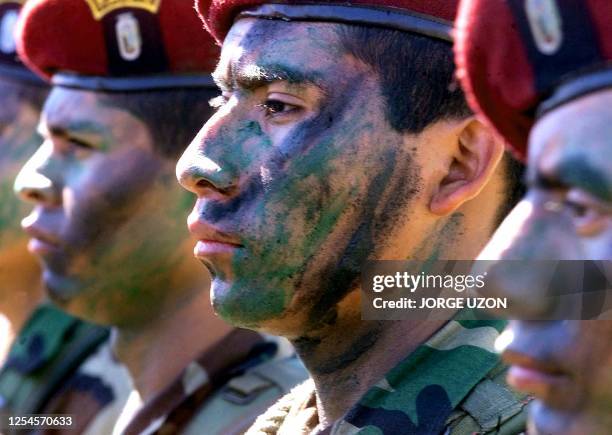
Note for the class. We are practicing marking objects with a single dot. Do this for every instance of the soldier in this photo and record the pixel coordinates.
(539, 71)
(21, 98)
(49, 344)
(131, 84)
(341, 137)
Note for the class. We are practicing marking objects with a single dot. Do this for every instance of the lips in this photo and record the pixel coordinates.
(43, 242)
(544, 380)
(211, 241)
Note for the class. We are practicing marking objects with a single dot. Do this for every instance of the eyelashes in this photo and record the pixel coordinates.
(272, 108)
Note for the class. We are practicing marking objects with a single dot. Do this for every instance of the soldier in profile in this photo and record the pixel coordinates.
(340, 137)
(42, 344)
(540, 73)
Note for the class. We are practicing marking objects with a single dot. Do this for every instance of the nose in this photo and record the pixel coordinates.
(525, 251)
(202, 174)
(534, 231)
(34, 183)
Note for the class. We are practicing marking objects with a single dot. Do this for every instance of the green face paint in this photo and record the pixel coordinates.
(566, 215)
(112, 217)
(314, 180)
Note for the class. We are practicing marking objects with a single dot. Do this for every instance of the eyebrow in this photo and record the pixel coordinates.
(251, 76)
(80, 130)
(574, 172)
(544, 181)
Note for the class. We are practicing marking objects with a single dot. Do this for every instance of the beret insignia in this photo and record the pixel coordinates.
(545, 23)
(99, 8)
(128, 36)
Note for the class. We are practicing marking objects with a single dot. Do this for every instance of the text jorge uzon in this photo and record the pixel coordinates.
(441, 303)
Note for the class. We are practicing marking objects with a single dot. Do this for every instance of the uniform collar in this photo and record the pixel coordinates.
(419, 394)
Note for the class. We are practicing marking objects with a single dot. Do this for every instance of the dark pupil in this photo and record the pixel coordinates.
(578, 209)
(275, 106)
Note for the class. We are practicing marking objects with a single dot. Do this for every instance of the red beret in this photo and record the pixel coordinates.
(10, 64)
(429, 17)
(116, 45)
(520, 59)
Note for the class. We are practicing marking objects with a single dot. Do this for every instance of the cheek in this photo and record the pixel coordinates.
(104, 194)
(596, 359)
(599, 246)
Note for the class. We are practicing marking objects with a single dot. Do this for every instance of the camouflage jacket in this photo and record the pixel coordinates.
(47, 369)
(224, 390)
(451, 384)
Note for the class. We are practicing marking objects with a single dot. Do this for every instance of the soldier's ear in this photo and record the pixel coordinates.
(476, 154)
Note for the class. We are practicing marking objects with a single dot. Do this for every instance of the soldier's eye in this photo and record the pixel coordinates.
(590, 215)
(577, 209)
(274, 107)
(81, 144)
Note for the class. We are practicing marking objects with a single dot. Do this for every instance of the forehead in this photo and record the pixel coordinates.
(307, 47)
(76, 110)
(574, 144)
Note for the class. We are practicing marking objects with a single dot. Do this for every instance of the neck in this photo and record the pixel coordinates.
(156, 353)
(347, 358)
(20, 292)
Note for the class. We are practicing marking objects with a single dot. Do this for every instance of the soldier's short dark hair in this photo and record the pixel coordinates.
(173, 116)
(34, 94)
(417, 75)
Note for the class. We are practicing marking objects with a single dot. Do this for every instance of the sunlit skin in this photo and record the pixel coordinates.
(20, 288)
(108, 226)
(567, 214)
(300, 178)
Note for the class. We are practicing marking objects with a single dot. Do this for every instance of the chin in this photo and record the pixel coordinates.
(246, 307)
(59, 288)
(548, 421)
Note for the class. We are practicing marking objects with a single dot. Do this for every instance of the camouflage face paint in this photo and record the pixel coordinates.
(112, 214)
(567, 214)
(315, 190)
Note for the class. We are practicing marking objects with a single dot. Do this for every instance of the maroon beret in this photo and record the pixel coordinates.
(520, 59)
(10, 64)
(433, 18)
(116, 45)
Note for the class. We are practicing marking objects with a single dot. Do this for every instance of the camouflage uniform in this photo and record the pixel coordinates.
(223, 392)
(451, 384)
(55, 366)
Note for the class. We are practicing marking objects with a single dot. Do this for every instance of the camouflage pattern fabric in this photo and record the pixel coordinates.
(42, 366)
(95, 395)
(421, 395)
(224, 390)
(47, 351)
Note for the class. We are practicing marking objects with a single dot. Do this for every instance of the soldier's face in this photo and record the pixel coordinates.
(107, 221)
(300, 178)
(18, 139)
(567, 214)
